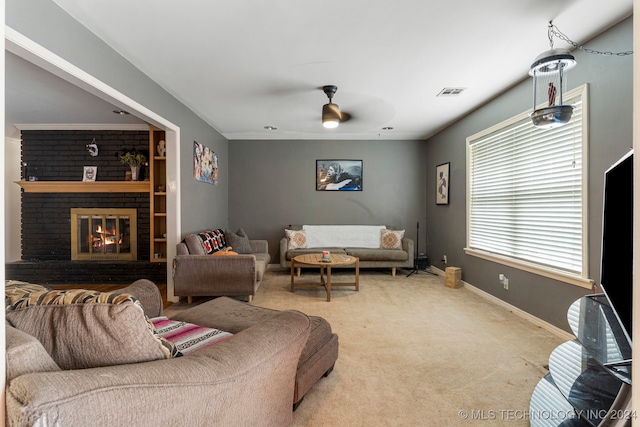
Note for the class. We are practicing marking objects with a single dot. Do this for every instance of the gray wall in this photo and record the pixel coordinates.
(610, 136)
(48, 25)
(272, 185)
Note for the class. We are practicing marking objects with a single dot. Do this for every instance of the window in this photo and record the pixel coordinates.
(527, 194)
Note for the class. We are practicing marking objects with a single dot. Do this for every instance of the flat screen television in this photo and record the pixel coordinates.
(616, 269)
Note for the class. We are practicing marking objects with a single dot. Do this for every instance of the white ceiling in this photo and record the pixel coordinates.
(244, 65)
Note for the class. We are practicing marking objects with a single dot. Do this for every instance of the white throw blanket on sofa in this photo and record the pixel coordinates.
(343, 236)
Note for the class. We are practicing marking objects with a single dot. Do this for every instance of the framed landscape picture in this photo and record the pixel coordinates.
(338, 175)
(442, 184)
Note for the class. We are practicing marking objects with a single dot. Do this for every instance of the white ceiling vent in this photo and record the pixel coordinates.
(451, 91)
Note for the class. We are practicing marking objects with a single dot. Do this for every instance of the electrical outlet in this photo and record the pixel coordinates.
(505, 283)
(444, 258)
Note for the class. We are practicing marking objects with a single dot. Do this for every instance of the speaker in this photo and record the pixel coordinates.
(422, 262)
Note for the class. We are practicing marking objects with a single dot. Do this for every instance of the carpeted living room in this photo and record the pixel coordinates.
(414, 352)
(259, 119)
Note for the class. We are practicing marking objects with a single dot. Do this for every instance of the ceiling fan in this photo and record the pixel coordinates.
(331, 114)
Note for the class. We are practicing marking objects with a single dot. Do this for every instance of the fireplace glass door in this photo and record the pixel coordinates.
(103, 234)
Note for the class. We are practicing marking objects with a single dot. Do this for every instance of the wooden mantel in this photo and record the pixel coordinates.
(84, 187)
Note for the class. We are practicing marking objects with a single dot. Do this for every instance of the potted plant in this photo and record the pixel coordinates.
(134, 158)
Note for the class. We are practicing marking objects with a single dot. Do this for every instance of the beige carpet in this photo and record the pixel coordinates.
(416, 353)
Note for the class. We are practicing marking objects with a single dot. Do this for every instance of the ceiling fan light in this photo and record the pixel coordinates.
(330, 115)
(330, 124)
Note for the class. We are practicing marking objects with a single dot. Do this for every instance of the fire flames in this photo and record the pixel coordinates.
(103, 239)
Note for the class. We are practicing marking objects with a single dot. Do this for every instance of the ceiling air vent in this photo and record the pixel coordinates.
(451, 91)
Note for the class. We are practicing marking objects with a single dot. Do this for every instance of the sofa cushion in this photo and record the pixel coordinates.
(238, 241)
(296, 239)
(365, 254)
(391, 239)
(262, 263)
(194, 244)
(25, 354)
(85, 329)
(187, 337)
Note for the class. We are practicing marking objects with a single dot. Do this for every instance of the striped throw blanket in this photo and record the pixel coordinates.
(187, 337)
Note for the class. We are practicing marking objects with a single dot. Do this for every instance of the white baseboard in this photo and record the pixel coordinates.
(515, 310)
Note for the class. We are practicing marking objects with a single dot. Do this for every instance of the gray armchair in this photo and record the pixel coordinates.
(197, 274)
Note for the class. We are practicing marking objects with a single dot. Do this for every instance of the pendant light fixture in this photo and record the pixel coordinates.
(330, 112)
(548, 86)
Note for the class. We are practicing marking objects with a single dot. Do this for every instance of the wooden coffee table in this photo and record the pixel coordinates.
(315, 260)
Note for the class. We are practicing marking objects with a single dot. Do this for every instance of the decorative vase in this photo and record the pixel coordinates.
(135, 173)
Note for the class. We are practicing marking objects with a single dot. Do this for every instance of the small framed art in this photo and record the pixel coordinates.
(442, 184)
(90, 173)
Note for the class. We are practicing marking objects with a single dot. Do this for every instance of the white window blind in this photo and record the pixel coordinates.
(526, 196)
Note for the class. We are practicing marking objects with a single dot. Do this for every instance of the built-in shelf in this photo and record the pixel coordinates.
(158, 195)
(84, 187)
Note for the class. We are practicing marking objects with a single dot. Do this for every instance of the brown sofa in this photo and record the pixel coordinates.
(196, 273)
(245, 380)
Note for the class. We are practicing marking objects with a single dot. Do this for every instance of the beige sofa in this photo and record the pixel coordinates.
(318, 356)
(370, 257)
(196, 273)
(245, 380)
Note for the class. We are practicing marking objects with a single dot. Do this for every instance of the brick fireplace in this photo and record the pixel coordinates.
(46, 217)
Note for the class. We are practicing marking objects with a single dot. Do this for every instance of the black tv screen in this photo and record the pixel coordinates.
(617, 240)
